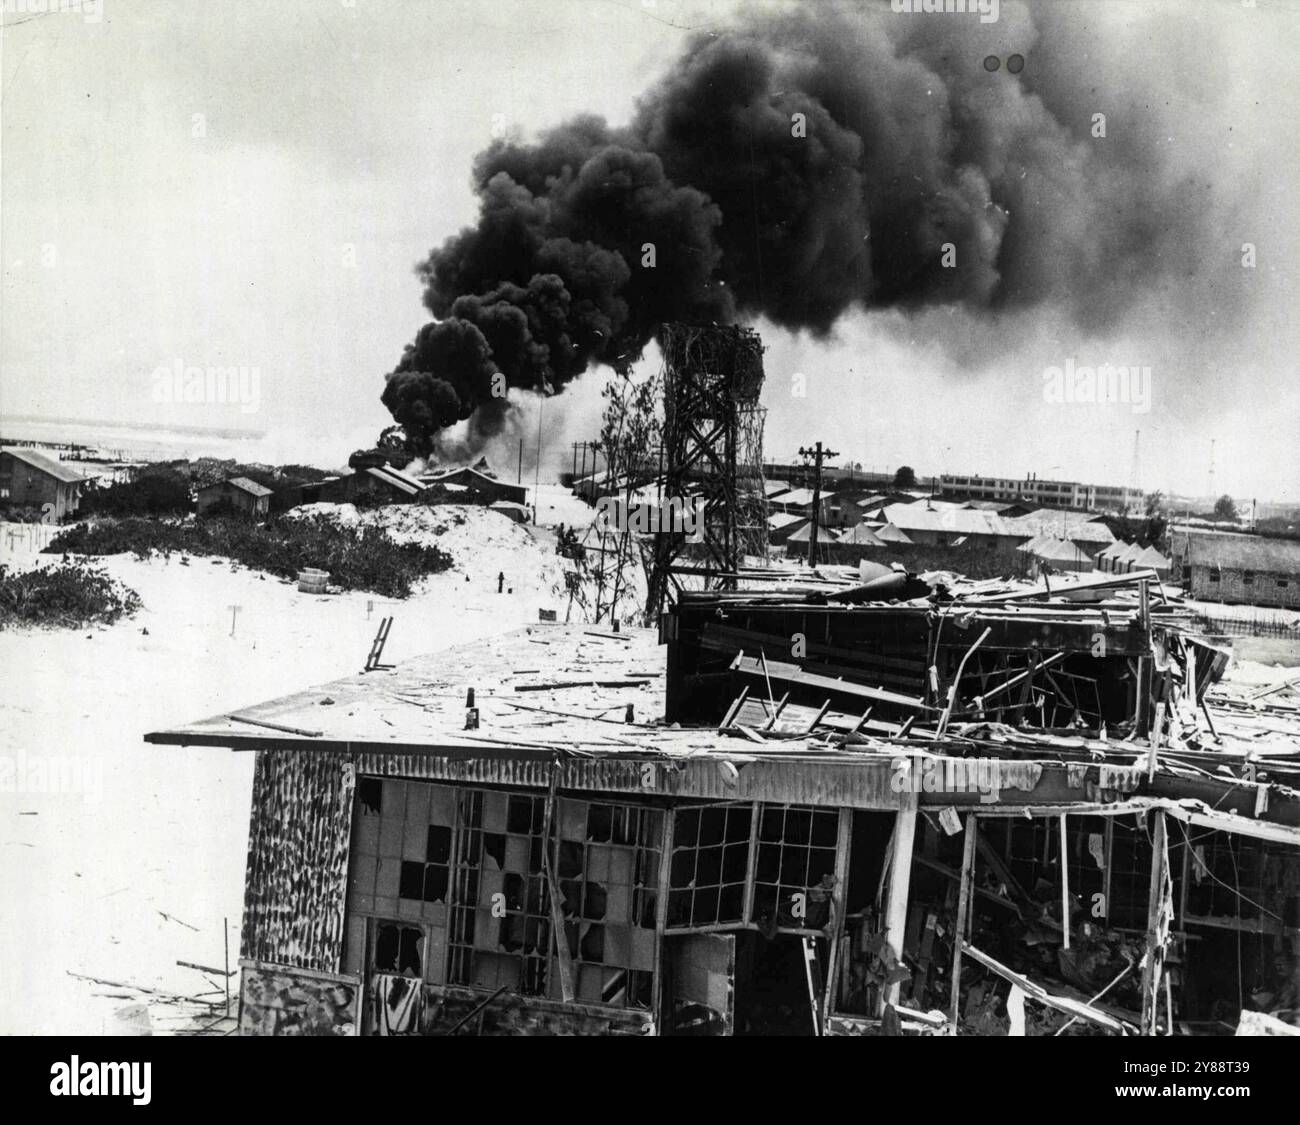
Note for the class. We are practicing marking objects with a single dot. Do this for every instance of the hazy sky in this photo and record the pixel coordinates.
(252, 184)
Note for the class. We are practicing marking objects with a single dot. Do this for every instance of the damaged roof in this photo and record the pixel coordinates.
(558, 697)
(396, 479)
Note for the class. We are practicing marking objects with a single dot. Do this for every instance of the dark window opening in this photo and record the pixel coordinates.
(370, 792)
(494, 846)
(439, 844)
(771, 986)
(397, 949)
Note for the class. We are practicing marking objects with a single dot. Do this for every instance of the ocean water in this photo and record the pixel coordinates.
(133, 442)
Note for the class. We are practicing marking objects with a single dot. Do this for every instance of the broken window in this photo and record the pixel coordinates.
(465, 871)
(606, 863)
(1130, 874)
(1033, 850)
(610, 911)
(783, 855)
(370, 792)
(401, 861)
(1231, 877)
(710, 865)
(795, 865)
(396, 949)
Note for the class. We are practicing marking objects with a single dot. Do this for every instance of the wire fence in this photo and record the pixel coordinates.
(27, 536)
(1260, 623)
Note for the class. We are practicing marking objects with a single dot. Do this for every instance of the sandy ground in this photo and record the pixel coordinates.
(118, 858)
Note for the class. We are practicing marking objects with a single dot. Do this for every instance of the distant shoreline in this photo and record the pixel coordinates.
(147, 427)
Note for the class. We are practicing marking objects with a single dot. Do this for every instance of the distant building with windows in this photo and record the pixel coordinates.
(1237, 569)
(1045, 493)
(29, 479)
(240, 493)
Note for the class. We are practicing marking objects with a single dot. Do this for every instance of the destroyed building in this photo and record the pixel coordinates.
(807, 813)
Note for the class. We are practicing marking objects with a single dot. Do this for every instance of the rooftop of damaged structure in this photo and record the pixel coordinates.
(816, 689)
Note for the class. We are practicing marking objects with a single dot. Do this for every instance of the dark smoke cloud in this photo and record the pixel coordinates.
(910, 143)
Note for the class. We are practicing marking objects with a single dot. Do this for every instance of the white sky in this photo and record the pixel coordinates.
(129, 243)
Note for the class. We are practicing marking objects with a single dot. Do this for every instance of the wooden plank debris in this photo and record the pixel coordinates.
(276, 726)
(1037, 992)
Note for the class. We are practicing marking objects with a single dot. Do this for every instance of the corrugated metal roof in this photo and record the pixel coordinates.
(1246, 552)
(446, 475)
(1060, 550)
(249, 486)
(1152, 558)
(1078, 527)
(404, 477)
(800, 497)
(861, 536)
(804, 534)
(398, 480)
(890, 533)
(46, 465)
(957, 521)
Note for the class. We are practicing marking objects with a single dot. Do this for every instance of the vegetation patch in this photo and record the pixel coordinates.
(67, 595)
(361, 558)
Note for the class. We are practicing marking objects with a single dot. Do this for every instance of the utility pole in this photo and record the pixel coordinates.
(537, 470)
(818, 455)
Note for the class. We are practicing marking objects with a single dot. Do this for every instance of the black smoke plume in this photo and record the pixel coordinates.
(795, 167)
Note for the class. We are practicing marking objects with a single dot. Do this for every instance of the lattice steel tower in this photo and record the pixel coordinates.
(712, 447)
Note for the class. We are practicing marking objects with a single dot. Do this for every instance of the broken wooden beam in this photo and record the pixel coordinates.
(1018, 678)
(956, 680)
(900, 874)
(1037, 992)
(793, 674)
(275, 726)
(961, 925)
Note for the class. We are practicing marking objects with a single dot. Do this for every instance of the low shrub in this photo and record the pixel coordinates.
(363, 558)
(69, 595)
